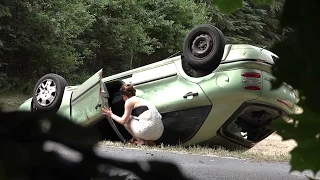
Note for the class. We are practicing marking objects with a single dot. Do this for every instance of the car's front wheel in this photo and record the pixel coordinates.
(48, 92)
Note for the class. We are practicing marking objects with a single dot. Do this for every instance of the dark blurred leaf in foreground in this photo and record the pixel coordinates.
(299, 66)
(42, 145)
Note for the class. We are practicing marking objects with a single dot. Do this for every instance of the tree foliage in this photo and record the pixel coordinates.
(254, 24)
(298, 51)
(77, 38)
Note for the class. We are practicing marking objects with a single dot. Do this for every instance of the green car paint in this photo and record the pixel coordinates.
(206, 106)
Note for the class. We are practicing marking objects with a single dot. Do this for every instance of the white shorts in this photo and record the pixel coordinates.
(147, 129)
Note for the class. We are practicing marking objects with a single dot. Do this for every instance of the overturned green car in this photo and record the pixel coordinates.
(212, 94)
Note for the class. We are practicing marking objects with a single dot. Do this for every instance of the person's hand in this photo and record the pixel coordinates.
(107, 111)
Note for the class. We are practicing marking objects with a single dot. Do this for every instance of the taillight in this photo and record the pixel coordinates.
(251, 74)
(252, 80)
(252, 87)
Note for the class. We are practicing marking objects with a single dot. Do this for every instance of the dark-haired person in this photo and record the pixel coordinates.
(141, 118)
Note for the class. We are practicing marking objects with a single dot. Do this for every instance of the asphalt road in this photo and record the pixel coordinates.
(210, 167)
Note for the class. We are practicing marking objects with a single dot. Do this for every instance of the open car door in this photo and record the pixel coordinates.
(87, 102)
(104, 101)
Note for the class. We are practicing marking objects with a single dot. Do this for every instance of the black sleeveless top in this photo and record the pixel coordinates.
(139, 110)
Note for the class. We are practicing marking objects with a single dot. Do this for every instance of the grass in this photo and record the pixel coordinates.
(11, 101)
(271, 150)
(251, 155)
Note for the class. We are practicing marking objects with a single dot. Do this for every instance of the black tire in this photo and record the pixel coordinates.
(192, 72)
(49, 101)
(63, 80)
(203, 47)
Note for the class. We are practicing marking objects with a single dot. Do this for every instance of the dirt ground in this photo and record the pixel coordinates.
(273, 145)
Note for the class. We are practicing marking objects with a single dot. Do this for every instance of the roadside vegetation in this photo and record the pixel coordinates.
(261, 155)
(12, 101)
(77, 38)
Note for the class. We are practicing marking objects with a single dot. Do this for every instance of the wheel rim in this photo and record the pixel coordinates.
(46, 92)
(202, 45)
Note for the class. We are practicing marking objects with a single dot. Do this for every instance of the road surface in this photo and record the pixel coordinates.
(210, 167)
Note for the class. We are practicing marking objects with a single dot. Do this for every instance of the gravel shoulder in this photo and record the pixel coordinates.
(274, 145)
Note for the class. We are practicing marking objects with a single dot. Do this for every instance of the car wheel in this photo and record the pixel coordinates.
(48, 92)
(191, 71)
(203, 47)
(63, 80)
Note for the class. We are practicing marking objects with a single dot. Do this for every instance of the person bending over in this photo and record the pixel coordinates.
(141, 118)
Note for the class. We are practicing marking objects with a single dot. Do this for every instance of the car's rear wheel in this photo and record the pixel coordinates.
(191, 71)
(203, 50)
(48, 92)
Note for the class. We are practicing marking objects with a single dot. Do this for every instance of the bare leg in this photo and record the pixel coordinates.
(128, 128)
(134, 138)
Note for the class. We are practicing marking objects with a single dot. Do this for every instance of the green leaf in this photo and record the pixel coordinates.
(298, 66)
(4, 11)
(306, 157)
(269, 2)
(228, 6)
(304, 129)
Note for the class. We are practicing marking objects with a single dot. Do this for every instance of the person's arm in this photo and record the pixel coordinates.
(129, 104)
